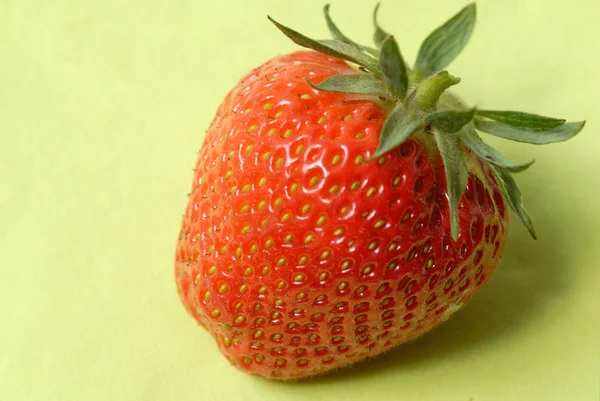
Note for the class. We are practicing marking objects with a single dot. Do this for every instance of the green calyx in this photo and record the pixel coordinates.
(415, 97)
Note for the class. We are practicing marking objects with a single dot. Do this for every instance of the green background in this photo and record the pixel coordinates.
(103, 105)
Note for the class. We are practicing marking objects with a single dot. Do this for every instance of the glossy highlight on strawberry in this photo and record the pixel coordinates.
(302, 249)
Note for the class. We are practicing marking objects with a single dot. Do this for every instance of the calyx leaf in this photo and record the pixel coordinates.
(333, 29)
(337, 34)
(456, 171)
(528, 135)
(380, 35)
(450, 121)
(520, 119)
(446, 42)
(487, 153)
(399, 126)
(353, 83)
(512, 194)
(333, 48)
(393, 67)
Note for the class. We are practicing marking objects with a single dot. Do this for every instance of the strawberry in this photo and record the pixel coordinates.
(337, 212)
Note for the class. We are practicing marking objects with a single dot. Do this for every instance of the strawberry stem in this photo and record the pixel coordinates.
(427, 94)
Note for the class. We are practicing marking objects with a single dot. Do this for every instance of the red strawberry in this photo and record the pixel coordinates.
(322, 228)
